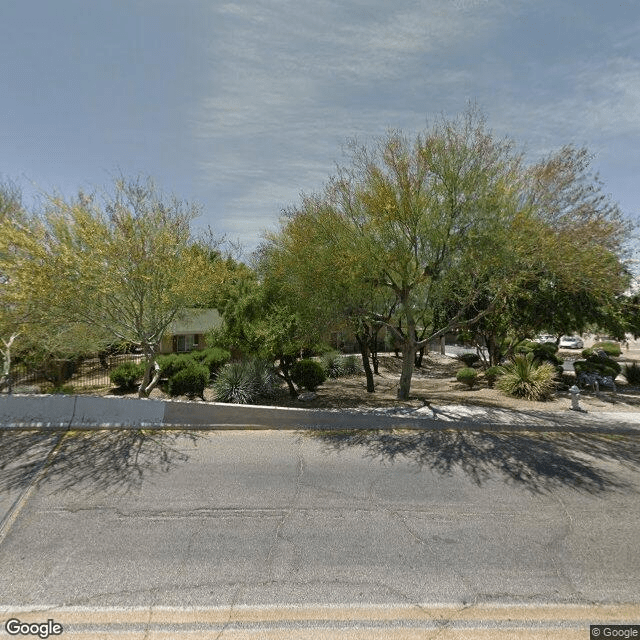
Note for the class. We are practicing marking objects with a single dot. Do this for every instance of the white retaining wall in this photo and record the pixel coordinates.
(67, 411)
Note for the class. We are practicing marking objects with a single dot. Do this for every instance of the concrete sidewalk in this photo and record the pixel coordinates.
(62, 413)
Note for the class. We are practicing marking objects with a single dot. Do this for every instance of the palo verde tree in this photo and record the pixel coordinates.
(310, 260)
(425, 224)
(125, 266)
(14, 304)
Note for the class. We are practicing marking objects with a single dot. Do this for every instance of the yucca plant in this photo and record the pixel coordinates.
(235, 384)
(523, 378)
(333, 364)
(351, 365)
(264, 376)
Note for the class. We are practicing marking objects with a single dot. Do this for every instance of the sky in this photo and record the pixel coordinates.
(241, 106)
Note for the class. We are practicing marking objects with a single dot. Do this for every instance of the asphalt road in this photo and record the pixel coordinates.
(265, 534)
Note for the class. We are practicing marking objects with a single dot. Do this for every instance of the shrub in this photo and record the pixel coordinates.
(189, 381)
(596, 364)
(469, 358)
(245, 382)
(213, 358)
(127, 375)
(491, 375)
(524, 378)
(352, 365)
(308, 374)
(234, 384)
(174, 362)
(612, 349)
(333, 364)
(468, 376)
(632, 373)
(264, 377)
(606, 362)
(542, 352)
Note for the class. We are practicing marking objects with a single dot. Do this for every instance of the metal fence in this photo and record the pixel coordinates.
(81, 375)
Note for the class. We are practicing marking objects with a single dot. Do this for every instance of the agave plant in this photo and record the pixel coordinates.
(523, 378)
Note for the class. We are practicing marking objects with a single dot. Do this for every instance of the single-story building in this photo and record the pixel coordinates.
(187, 332)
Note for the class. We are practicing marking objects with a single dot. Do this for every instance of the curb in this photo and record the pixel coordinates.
(89, 413)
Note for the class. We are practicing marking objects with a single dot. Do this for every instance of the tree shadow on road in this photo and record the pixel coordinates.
(109, 460)
(540, 462)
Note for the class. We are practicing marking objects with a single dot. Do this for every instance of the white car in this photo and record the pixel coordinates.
(571, 342)
(545, 337)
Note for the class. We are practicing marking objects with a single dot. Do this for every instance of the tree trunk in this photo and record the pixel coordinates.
(285, 368)
(5, 379)
(149, 381)
(408, 361)
(373, 349)
(364, 352)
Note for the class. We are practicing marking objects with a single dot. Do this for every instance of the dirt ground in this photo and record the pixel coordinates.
(433, 383)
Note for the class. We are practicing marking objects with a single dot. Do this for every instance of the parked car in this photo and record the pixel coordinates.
(571, 342)
(545, 337)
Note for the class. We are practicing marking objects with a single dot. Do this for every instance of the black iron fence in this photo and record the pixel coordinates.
(76, 374)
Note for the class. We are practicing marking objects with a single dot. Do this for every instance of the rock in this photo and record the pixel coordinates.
(306, 397)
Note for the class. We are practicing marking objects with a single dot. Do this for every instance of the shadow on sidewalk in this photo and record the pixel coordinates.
(114, 460)
(540, 462)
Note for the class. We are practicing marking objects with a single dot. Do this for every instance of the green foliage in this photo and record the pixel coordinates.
(244, 382)
(524, 378)
(468, 376)
(308, 374)
(336, 365)
(264, 377)
(491, 375)
(469, 358)
(597, 364)
(65, 389)
(127, 375)
(541, 352)
(213, 358)
(174, 362)
(612, 349)
(632, 373)
(189, 381)
(333, 364)
(352, 365)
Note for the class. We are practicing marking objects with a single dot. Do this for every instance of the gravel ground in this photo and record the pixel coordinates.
(435, 384)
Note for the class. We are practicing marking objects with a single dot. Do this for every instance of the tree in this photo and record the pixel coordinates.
(453, 230)
(15, 305)
(424, 224)
(126, 267)
(571, 266)
(259, 320)
(308, 260)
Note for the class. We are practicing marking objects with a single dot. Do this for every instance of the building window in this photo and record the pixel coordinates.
(184, 343)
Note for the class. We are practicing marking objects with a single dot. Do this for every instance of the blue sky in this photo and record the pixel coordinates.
(242, 105)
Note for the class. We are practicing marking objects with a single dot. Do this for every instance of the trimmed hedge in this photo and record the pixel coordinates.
(190, 381)
(469, 358)
(127, 375)
(468, 376)
(597, 364)
(612, 349)
(308, 374)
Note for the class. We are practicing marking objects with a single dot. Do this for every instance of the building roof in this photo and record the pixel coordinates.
(195, 321)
